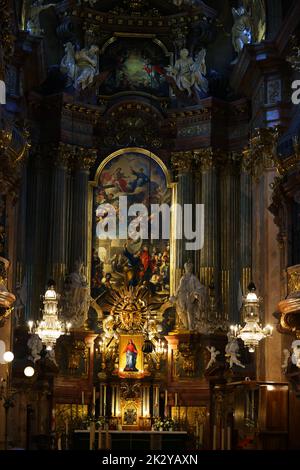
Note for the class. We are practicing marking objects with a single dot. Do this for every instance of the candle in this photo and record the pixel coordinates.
(104, 401)
(100, 400)
(82, 398)
(223, 439)
(156, 395)
(113, 398)
(228, 438)
(176, 397)
(67, 427)
(215, 438)
(94, 396)
(99, 439)
(166, 402)
(201, 435)
(92, 435)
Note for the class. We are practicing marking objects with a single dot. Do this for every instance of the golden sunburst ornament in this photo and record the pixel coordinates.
(130, 307)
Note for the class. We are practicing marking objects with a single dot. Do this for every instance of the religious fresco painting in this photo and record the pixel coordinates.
(134, 65)
(124, 261)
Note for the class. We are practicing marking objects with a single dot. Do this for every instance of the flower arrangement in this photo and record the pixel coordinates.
(100, 423)
(163, 424)
(168, 424)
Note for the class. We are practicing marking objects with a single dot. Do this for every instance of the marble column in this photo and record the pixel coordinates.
(182, 163)
(58, 217)
(84, 159)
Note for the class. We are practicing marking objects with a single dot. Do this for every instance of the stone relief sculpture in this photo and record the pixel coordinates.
(188, 73)
(35, 345)
(191, 300)
(76, 297)
(80, 66)
(33, 22)
(231, 351)
(296, 353)
(213, 356)
(241, 29)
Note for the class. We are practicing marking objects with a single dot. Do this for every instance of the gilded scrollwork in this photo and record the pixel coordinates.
(7, 299)
(261, 153)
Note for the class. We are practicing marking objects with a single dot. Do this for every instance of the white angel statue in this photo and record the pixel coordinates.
(86, 66)
(241, 29)
(33, 22)
(296, 352)
(189, 74)
(213, 356)
(35, 345)
(67, 65)
(80, 66)
(190, 298)
(231, 352)
(199, 69)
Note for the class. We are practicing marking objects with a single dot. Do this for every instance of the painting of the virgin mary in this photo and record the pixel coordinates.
(131, 356)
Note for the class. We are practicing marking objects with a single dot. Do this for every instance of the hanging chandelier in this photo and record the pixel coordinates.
(252, 332)
(50, 328)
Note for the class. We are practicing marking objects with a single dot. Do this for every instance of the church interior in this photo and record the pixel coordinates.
(149, 225)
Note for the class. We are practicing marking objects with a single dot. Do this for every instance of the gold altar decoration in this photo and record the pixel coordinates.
(129, 307)
(289, 308)
(131, 412)
(70, 417)
(14, 147)
(261, 153)
(187, 416)
(7, 299)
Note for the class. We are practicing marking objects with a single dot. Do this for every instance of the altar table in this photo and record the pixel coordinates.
(132, 440)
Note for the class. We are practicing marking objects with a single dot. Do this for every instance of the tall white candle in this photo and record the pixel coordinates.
(166, 402)
(201, 434)
(223, 439)
(104, 401)
(228, 438)
(215, 437)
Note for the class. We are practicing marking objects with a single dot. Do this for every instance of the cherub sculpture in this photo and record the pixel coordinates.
(80, 66)
(33, 22)
(213, 356)
(241, 29)
(35, 345)
(231, 352)
(188, 73)
(296, 352)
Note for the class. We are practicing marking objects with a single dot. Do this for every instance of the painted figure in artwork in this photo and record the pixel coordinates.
(131, 357)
